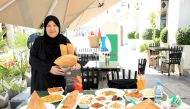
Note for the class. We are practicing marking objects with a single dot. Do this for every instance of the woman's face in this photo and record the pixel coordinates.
(52, 29)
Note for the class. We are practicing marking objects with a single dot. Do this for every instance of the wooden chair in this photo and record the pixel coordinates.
(90, 78)
(175, 54)
(141, 65)
(124, 82)
(153, 55)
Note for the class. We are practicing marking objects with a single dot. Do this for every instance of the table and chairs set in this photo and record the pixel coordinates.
(172, 56)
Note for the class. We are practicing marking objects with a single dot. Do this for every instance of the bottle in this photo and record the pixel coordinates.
(158, 91)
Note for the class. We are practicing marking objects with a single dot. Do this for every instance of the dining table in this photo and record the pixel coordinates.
(85, 92)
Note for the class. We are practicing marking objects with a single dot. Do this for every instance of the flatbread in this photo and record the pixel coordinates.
(146, 104)
(35, 102)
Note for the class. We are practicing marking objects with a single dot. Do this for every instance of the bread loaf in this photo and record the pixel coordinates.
(71, 100)
(66, 61)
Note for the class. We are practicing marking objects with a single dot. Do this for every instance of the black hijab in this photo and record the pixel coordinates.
(52, 44)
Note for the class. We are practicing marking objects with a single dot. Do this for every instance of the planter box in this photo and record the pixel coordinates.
(185, 60)
(4, 98)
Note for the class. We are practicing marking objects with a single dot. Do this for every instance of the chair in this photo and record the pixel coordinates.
(90, 78)
(83, 59)
(154, 55)
(124, 82)
(141, 65)
(175, 54)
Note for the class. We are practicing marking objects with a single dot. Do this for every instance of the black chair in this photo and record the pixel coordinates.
(90, 78)
(141, 66)
(83, 59)
(175, 54)
(124, 82)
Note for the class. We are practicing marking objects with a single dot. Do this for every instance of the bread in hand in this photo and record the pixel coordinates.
(66, 61)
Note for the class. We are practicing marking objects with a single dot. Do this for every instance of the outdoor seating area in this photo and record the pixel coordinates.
(94, 54)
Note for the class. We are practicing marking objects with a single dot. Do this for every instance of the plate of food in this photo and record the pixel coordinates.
(97, 105)
(116, 105)
(70, 101)
(85, 100)
(109, 92)
(134, 95)
(147, 93)
(53, 98)
(55, 90)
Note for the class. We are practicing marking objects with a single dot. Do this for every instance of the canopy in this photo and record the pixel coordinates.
(91, 12)
(31, 13)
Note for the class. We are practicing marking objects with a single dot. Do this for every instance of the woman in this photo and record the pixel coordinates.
(45, 50)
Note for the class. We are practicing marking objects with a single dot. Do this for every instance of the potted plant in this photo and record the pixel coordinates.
(183, 39)
(4, 97)
(132, 40)
(164, 36)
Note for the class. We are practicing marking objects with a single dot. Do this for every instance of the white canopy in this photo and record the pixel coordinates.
(31, 13)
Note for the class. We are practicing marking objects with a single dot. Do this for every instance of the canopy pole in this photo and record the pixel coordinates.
(6, 5)
(52, 7)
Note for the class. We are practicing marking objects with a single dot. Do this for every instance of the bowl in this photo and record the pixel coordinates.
(135, 96)
(96, 105)
(56, 90)
(116, 105)
(85, 100)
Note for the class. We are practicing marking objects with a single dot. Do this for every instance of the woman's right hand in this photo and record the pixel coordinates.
(55, 70)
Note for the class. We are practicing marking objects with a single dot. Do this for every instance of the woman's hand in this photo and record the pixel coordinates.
(76, 66)
(55, 70)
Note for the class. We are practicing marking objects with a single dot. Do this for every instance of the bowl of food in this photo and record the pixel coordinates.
(56, 90)
(116, 105)
(85, 101)
(100, 98)
(134, 95)
(96, 105)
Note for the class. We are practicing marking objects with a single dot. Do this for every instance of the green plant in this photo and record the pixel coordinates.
(21, 57)
(164, 35)
(131, 35)
(156, 42)
(3, 42)
(3, 74)
(153, 24)
(147, 34)
(20, 41)
(183, 35)
(136, 35)
(144, 47)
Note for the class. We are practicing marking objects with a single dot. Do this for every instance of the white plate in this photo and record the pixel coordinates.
(75, 106)
(48, 105)
(118, 92)
(56, 100)
(131, 104)
(147, 93)
(87, 104)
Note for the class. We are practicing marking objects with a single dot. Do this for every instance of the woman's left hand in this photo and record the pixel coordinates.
(76, 66)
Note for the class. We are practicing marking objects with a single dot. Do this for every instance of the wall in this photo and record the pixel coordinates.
(173, 18)
(184, 17)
